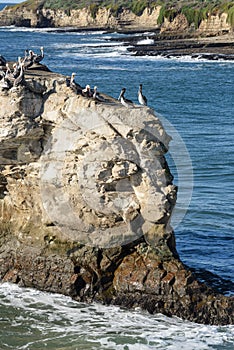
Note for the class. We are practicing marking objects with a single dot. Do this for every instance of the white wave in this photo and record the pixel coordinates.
(183, 59)
(24, 29)
(57, 317)
(102, 67)
(65, 30)
(146, 41)
(78, 45)
(97, 52)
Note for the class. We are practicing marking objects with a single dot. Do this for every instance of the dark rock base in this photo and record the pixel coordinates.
(130, 276)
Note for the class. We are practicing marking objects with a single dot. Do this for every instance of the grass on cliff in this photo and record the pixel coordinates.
(31, 5)
(194, 11)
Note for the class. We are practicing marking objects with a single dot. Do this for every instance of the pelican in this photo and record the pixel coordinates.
(16, 68)
(39, 58)
(125, 102)
(3, 61)
(96, 95)
(2, 74)
(5, 83)
(19, 80)
(73, 85)
(141, 98)
(8, 70)
(8, 75)
(87, 92)
(28, 60)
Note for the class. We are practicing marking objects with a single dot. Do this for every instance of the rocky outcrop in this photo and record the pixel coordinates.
(82, 18)
(106, 18)
(86, 197)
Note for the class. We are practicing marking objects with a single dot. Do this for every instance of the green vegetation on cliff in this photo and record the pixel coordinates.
(194, 11)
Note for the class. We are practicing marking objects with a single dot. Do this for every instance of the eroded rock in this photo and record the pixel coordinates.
(85, 200)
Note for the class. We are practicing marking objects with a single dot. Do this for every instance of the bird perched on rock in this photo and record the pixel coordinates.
(20, 78)
(3, 61)
(87, 91)
(125, 102)
(96, 96)
(8, 74)
(5, 83)
(38, 58)
(28, 59)
(73, 85)
(141, 98)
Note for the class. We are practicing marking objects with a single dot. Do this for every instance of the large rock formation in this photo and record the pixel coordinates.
(107, 18)
(86, 199)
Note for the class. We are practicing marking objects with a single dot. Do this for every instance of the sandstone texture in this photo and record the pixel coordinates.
(86, 197)
(105, 18)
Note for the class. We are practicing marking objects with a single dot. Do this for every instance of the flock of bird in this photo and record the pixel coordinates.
(88, 92)
(14, 77)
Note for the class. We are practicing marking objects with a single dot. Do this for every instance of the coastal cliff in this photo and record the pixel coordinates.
(86, 197)
(215, 19)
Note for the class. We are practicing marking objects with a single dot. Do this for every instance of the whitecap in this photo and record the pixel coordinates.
(146, 41)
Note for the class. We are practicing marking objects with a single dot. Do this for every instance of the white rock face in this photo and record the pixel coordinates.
(94, 170)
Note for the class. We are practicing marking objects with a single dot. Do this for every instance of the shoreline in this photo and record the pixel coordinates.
(169, 46)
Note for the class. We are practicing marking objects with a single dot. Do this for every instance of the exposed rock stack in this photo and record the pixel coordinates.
(86, 198)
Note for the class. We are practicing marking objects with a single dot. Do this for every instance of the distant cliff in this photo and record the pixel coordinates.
(86, 197)
(216, 18)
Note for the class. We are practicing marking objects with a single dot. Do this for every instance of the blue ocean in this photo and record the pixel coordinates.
(195, 101)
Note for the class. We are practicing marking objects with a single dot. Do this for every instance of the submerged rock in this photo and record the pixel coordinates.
(86, 197)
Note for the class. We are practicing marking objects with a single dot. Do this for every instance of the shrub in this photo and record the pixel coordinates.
(138, 7)
(193, 15)
(230, 17)
(161, 16)
(93, 8)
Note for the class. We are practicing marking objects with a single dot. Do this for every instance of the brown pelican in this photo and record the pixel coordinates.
(74, 86)
(8, 75)
(39, 58)
(5, 83)
(87, 92)
(19, 80)
(28, 60)
(96, 95)
(3, 61)
(16, 68)
(125, 102)
(8, 70)
(141, 98)
(2, 74)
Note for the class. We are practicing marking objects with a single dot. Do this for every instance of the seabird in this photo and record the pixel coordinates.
(141, 98)
(38, 58)
(87, 92)
(3, 61)
(96, 95)
(16, 68)
(28, 60)
(74, 86)
(125, 102)
(20, 78)
(8, 75)
(2, 74)
(5, 83)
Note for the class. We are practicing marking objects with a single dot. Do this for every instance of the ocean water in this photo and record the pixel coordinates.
(195, 100)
